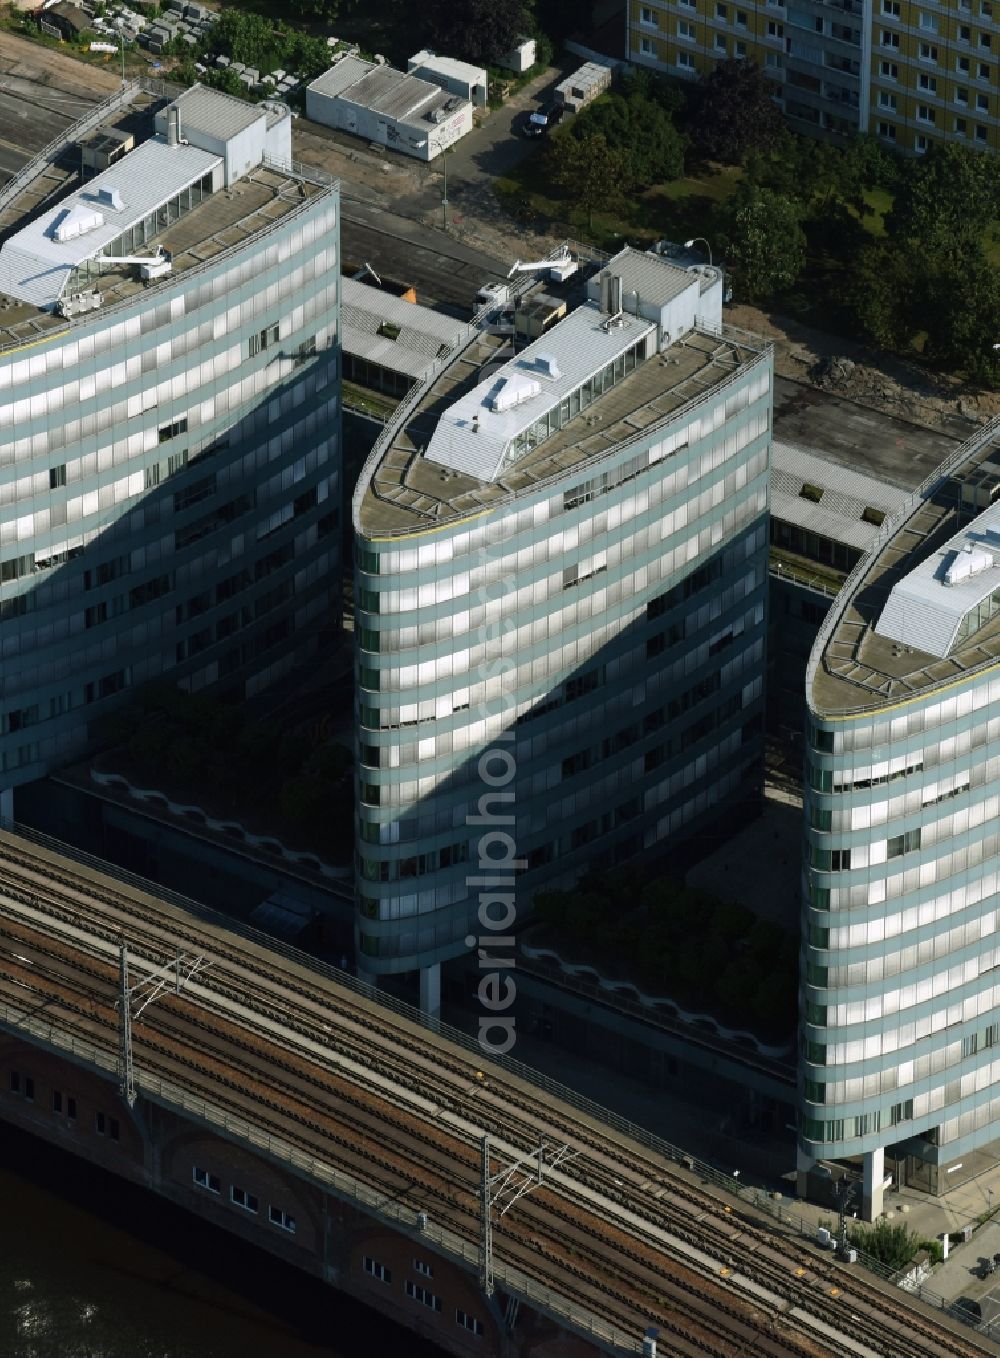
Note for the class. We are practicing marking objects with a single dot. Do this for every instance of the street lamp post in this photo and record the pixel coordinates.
(444, 200)
(694, 241)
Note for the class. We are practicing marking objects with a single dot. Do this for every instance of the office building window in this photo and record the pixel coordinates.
(685, 61)
(887, 130)
(928, 52)
(889, 39)
(982, 133)
(928, 83)
(982, 71)
(961, 96)
(417, 1293)
(241, 1198)
(204, 1179)
(720, 43)
(887, 101)
(423, 1268)
(646, 16)
(263, 340)
(469, 1323)
(888, 70)
(740, 49)
(377, 1270)
(685, 29)
(278, 1217)
(928, 22)
(170, 431)
(961, 129)
(982, 103)
(925, 114)
(646, 47)
(57, 476)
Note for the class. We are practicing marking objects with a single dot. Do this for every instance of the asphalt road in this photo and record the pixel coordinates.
(445, 273)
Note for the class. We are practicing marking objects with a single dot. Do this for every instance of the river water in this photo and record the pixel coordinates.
(91, 1267)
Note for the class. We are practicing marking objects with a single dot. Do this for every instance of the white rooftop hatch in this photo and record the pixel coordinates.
(967, 562)
(492, 425)
(927, 608)
(512, 390)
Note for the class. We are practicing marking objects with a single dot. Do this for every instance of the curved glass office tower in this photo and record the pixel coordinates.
(901, 977)
(561, 574)
(169, 425)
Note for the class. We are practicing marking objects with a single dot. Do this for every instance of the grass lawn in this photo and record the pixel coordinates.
(676, 210)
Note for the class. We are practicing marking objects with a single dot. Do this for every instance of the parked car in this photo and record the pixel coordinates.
(543, 119)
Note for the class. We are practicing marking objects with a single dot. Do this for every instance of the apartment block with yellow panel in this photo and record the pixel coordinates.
(909, 72)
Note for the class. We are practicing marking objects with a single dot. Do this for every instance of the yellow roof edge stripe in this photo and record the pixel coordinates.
(33, 344)
(438, 528)
(917, 698)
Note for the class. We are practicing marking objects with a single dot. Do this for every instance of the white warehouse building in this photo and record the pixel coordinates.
(457, 77)
(387, 106)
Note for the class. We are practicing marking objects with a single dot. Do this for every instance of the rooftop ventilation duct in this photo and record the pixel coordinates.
(612, 293)
(548, 364)
(111, 197)
(77, 222)
(512, 391)
(968, 562)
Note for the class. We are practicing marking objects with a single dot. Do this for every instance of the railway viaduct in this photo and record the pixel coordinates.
(281, 1100)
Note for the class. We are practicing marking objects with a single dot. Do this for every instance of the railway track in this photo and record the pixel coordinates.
(298, 1103)
(263, 996)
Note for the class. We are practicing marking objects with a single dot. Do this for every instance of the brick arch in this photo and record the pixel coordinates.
(182, 1148)
(456, 1287)
(93, 1091)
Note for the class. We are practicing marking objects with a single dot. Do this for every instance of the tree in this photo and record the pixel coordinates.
(734, 114)
(880, 293)
(764, 242)
(945, 200)
(961, 297)
(589, 172)
(476, 30)
(820, 174)
(641, 130)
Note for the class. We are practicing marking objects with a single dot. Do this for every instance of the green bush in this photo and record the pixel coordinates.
(892, 1245)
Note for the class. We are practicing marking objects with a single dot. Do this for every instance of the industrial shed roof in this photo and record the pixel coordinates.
(383, 89)
(422, 333)
(207, 110)
(844, 497)
(654, 278)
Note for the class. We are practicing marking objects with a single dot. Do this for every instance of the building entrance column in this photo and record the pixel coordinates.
(873, 1184)
(430, 990)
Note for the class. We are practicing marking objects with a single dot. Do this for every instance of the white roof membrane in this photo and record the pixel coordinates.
(926, 608)
(475, 433)
(36, 262)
